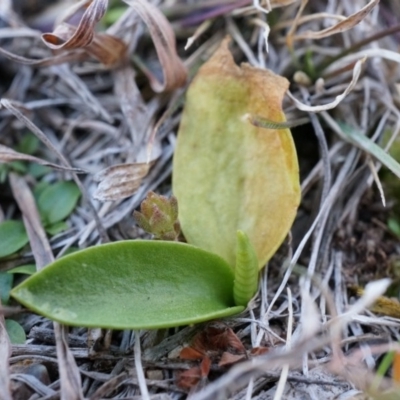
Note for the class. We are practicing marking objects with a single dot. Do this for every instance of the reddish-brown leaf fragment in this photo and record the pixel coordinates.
(258, 351)
(229, 359)
(396, 367)
(189, 353)
(217, 338)
(205, 367)
(188, 379)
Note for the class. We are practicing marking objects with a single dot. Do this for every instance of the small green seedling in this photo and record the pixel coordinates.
(159, 216)
(237, 186)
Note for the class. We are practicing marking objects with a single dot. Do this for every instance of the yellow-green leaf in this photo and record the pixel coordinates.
(230, 175)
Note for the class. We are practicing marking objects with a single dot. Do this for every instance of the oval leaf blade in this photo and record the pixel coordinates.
(230, 175)
(132, 285)
(13, 237)
(57, 201)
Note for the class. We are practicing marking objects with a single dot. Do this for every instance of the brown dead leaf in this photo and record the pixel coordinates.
(189, 353)
(107, 49)
(8, 155)
(84, 33)
(205, 367)
(341, 26)
(229, 359)
(258, 351)
(217, 338)
(188, 379)
(120, 181)
(396, 367)
(163, 36)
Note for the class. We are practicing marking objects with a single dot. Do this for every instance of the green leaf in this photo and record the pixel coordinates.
(39, 189)
(37, 170)
(228, 174)
(28, 269)
(13, 237)
(29, 144)
(6, 281)
(113, 14)
(57, 201)
(18, 166)
(132, 285)
(15, 332)
(394, 226)
(56, 228)
(366, 144)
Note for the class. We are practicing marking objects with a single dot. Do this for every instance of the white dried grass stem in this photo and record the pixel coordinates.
(285, 370)
(139, 368)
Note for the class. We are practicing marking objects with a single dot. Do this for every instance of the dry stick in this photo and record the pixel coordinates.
(285, 369)
(69, 373)
(139, 368)
(13, 107)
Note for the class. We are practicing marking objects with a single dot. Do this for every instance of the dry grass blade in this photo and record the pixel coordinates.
(281, 3)
(69, 374)
(164, 41)
(44, 62)
(304, 107)
(132, 105)
(342, 26)
(8, 155)
(5, 352)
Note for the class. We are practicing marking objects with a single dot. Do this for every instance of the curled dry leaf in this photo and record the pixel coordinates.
(8, 155)
(228, 174)
(83, 34)
(109, 50)
(163, 36)
(341, 26)
(120, 181)
(106, 48)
